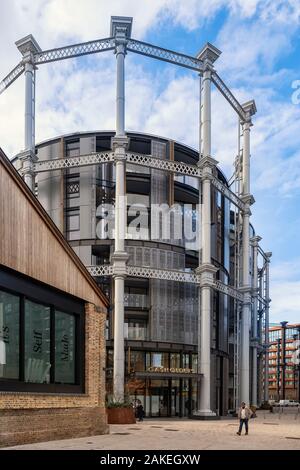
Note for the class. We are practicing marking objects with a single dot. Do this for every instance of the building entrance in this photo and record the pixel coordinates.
(164, 398)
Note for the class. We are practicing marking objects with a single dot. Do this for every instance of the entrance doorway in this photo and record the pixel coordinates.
(165, 398)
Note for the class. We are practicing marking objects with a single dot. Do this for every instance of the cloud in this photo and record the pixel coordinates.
(78, 95)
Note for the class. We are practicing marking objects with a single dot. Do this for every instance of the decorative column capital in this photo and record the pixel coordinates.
(255, 240)
(120, 29)
(27, 155)
(208, 54)
(207, 164)
(268, 255)
(119, 142)
(248, 200)
(28, 47)
(250, 109)
(246, 290)
(119, 260)
(206, 272)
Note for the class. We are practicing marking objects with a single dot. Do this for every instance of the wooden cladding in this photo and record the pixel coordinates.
(31, 243)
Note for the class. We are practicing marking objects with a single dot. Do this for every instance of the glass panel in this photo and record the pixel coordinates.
(186, 402)
(186, 361)
(9, 335)
(175, 360)
(137, 361)
(65, 325)
(175, 398)
(137, 329)
(37, 343)
(195, 363)
(159, 393)
(160, 360)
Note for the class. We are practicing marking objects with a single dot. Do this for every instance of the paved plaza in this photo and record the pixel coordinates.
(267, 431)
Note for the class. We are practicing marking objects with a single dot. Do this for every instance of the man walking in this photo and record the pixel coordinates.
(244, 414)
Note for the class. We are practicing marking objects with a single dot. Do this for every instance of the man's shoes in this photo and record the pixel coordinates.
(246, 434)
(238, 433)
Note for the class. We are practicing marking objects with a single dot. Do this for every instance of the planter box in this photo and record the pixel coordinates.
(120, 416)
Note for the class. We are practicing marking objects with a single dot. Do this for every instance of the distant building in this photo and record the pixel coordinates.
(284, 370)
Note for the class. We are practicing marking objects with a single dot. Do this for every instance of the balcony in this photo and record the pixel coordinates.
(136, 300)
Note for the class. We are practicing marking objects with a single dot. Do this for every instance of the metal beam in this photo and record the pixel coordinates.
(228, 193)
(71, 162)
(228, 95)
(166, 275)
(137, 159)
(11, 77)
(167, 165)
(75, 50)
(165, 55)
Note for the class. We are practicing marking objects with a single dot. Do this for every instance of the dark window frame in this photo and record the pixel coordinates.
(27, 288)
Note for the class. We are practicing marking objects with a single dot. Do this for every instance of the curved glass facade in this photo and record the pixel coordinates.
(156, 311)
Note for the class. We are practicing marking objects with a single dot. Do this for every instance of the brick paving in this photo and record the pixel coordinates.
(267, 431)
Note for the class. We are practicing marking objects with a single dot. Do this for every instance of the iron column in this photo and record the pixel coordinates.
(267, 314)
(278, 369)
(121, 30)
(207, 271)
(249, 109)
(255, 241)
(283, 349)
(28, 47)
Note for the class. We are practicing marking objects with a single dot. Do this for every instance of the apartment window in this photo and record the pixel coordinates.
(136, 329)
(72, 224)
(72, 188)
(73, 148)
(41, 337)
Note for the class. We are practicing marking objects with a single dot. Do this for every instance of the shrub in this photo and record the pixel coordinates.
(118, 404)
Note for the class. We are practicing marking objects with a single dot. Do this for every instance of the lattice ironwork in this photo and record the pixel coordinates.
(228, 290)
(100, 270)
(228, 95)
(11, 77)
(161, 164)
(75, 50)
(228, 193)
(167, 275)
(72, 188)
(165, 55)
(83, 160)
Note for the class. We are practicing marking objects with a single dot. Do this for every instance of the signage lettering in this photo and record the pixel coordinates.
(173, 370)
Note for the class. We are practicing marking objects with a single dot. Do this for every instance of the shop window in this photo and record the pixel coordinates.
(175, 360)
(41, 338)
(64, 348)
(137, 361)
(9, 335)
(160, 360)
(37, 343)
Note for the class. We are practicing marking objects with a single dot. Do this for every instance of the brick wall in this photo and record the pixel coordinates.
(33, 417)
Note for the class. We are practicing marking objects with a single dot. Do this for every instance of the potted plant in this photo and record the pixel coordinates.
(120, 412)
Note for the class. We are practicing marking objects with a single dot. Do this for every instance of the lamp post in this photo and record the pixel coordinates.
(283, 346)
(278, 369)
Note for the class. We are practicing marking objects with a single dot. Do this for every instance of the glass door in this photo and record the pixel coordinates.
(159, 398)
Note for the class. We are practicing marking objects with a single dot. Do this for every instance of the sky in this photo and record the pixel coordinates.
(259, 60)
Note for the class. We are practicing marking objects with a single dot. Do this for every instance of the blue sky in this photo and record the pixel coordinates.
(260, 60)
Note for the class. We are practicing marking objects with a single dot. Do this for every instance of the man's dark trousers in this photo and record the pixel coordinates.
(243, 421)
